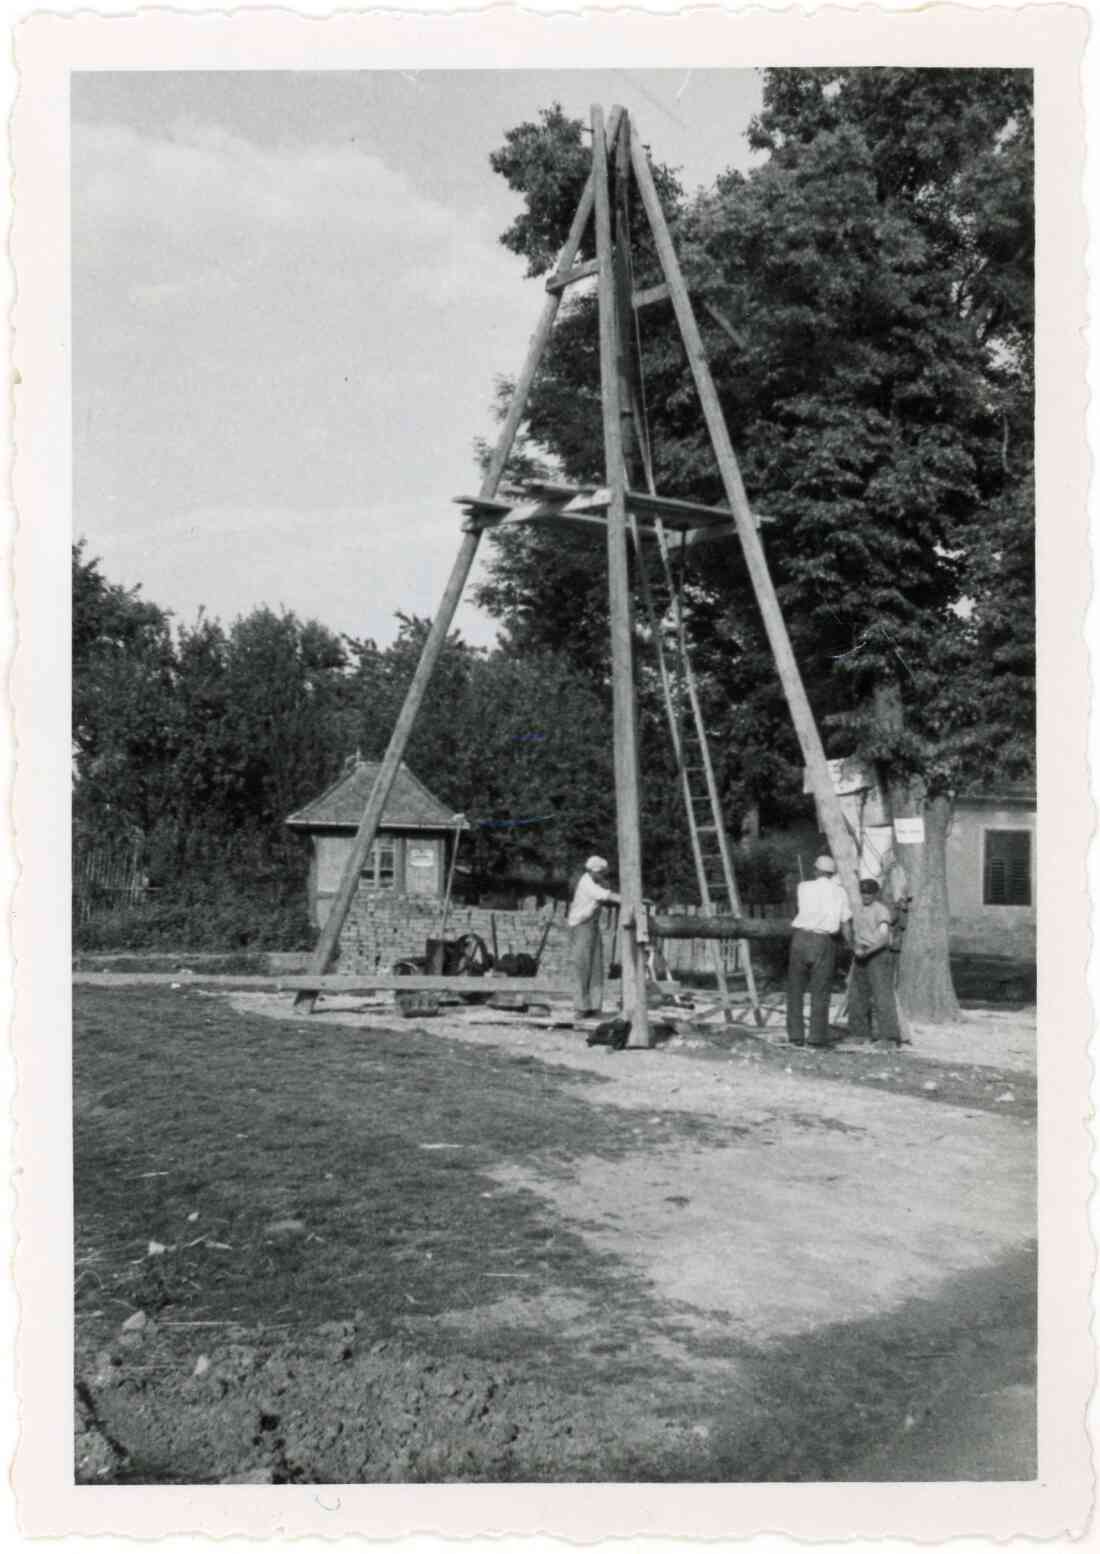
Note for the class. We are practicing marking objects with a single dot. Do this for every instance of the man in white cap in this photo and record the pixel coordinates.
(585, 944)
(823, 913)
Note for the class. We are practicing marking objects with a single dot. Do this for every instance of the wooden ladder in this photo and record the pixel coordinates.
(702, 802)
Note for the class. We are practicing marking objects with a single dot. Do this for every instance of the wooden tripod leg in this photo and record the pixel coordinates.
(802, 716)
(368, 827)
(395, 751)
(635, 1000)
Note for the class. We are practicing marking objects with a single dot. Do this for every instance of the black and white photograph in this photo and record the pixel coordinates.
(553, 778)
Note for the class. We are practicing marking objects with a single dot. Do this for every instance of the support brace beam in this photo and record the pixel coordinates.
(627, 805)
(802, 716)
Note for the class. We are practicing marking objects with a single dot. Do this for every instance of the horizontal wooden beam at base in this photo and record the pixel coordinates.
(579, 272)
(390, 983)
(691, 927)
(332, 982)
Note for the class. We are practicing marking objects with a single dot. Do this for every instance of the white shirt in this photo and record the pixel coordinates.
(586, 900)
(822, 905)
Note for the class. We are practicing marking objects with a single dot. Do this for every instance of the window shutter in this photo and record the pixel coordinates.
(1007, 879)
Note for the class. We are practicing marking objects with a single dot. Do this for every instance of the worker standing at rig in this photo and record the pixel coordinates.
(823, 914)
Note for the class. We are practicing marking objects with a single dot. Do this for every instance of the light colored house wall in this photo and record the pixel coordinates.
(331, 854)
(976, 928)
(419, 865)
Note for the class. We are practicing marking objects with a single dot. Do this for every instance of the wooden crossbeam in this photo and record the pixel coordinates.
(582, 516)
(568, 493)
(578, 506)
(579, 272)
(651, 294)
(560, 518)
(483, 505)
(675, 513)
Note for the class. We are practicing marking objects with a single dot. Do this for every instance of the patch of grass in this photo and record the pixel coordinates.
(284, 1167)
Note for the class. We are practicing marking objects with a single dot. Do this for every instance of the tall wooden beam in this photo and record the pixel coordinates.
(635, 1007)
(801, 714)
(325, 950)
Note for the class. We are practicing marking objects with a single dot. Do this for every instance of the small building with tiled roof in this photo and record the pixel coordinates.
(411, 852)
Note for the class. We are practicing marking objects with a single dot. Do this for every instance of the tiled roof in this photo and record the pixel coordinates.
(1011, 794)
(409, 805)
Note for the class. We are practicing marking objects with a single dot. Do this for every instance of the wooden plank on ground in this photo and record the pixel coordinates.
(333, 982)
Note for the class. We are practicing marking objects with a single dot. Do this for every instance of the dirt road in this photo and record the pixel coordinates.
(717, 1260)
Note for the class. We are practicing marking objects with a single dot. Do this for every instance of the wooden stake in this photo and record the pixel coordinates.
(801, 714)
(325, 951)
(635, 1007)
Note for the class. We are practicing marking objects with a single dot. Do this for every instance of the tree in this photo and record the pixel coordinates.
(123, 667)
(517, 743)
(870, 337)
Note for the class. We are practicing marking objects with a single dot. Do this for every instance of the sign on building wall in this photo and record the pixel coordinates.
(422, 868)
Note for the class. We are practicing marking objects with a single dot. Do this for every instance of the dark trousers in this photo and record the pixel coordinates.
(811, 964)
(586, 963)
(871, 993)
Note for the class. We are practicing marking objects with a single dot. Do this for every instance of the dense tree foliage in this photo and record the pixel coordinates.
(192, 746)
(866, 296)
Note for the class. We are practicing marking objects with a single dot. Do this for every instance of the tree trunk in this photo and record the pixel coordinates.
(925, 989)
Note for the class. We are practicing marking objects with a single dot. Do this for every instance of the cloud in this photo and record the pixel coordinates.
(201, 206)
(352, 567)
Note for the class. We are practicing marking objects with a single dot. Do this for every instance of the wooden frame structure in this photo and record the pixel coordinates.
(619, 508)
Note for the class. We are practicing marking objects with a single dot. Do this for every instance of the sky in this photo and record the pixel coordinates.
(290, 309)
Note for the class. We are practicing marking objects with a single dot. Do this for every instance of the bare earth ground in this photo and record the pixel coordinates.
(370, 1249)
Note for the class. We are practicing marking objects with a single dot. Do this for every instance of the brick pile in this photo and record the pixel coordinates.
(382, 929)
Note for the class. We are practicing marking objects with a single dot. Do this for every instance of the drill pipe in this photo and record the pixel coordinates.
(683, 927)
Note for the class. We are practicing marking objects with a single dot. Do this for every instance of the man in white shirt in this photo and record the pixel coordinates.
(585, 944)
(823, 913)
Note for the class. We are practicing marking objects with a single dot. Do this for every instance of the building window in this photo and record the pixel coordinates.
(380, 868)
(1007, 876)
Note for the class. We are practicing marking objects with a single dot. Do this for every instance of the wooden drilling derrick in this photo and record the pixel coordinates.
(626, 507)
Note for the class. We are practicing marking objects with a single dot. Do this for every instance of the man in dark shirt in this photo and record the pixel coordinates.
(871, 987)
